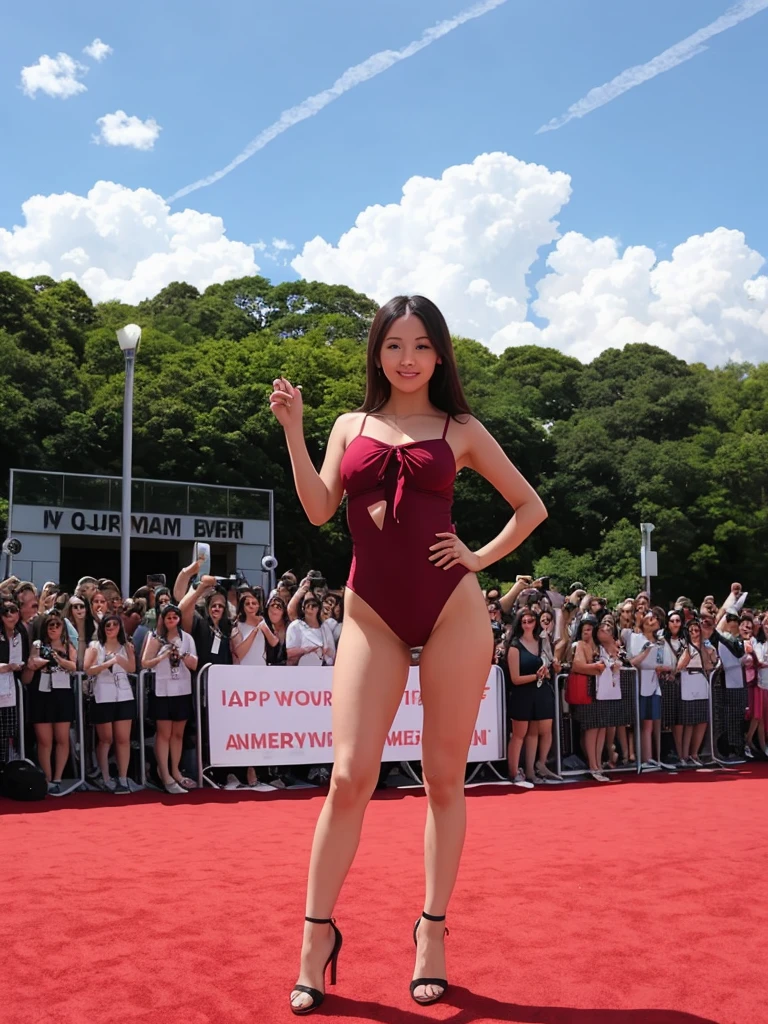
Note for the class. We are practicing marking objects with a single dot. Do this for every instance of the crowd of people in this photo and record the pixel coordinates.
(678, 658)
(542, 639)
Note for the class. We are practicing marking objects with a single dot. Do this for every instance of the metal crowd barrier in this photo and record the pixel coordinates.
(625, 675)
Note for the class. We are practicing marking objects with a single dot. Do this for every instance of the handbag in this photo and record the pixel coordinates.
(577, 688)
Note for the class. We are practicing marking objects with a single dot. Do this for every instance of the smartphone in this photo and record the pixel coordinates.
(203, 550)
(156, 579)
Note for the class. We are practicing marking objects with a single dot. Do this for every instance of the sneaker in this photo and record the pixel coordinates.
(54, 788)
(521, 781)
(670, 767)
(262, 787)
(120, 790)
(748, 751)
(599, 777)
(174, 788)
(694, 762)
(109, 784)
(276, 782)
(232, 782)
(649, 765)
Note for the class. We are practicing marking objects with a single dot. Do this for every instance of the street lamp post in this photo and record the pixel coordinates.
(128, 339)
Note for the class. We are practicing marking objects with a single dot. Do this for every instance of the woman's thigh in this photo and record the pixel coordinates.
(104, 732)
(453, 670)
(122, 730)
(369, 678)
(44, 733)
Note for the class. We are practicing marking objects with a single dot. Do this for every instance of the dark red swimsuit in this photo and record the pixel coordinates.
(391, 570)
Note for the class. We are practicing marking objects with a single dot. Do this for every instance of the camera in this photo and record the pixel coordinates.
(316, 580)
(174, 657)
(47, 652)
(11, 546)
(237, 579)
(498, 631)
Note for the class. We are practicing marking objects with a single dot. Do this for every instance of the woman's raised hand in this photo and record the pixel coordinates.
(286, 403)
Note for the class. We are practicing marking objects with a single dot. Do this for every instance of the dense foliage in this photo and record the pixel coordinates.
(636, 435)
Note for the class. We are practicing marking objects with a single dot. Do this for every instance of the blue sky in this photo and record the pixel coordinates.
(681, 155)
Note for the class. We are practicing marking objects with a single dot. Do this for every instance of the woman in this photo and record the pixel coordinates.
(14, 654)
(171, 653)
(210, 628)
(49, 670)
(329, 612)
(308, 640)
(671, 701)
(99, 606)
(586, 661)
(626, 620)
(414, 427)
(277, 620)
(547, 623)
(695, 666)
(652, 657)
(251, 633)
(107, 663)
(608, 692)
(48, 596)
(759, 707)
(531, 700)
(80, 627)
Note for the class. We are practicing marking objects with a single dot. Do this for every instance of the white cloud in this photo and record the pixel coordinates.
(469, 239)
(57, 76)
(97, 50)
(119, 129)
(687, 48)
(282, 245)
(121, 243)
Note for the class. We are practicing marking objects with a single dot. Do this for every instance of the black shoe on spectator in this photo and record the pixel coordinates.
(121, 790)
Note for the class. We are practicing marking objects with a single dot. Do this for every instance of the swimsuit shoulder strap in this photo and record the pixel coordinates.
(362, 425)
(447, 422)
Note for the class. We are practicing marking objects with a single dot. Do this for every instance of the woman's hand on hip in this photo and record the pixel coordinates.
(450, 551)
(286, 403)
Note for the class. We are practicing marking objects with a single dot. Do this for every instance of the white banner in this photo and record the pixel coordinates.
(282, 716)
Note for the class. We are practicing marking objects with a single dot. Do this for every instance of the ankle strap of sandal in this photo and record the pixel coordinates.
(320, 920)
(431, 917)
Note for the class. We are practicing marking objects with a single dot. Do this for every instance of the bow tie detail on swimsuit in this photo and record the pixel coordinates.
(405, 458)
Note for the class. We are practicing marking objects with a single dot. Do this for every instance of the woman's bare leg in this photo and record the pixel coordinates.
(531, 746)
(122, 738)
(545, 739)
(646, 739)
(176, 745)
(61, 755)
(621, 732)
(369, 678)
(104, 742)
(697, 738)
(515, 746)
(453, 669)
(680, 744)
(162, 743)
(44, 737)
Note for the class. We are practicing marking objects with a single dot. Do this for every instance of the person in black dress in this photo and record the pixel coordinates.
(531, 701)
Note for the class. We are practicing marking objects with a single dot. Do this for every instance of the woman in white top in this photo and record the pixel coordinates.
(80, 627)
(248, 642)
(695, 666)
(309, 641)
(14, 652)
(251, 632)
(49, 676)
(172, 654)
(331, 613)
(652, 657)
(107, 663)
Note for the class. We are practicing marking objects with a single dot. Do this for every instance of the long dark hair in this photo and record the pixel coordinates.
(256, 592)
(445, 388)
(101, 629)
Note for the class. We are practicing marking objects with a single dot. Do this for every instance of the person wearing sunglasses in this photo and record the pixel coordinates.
(49, 670)
(172, 654)
(81, 627)
(310, 641)
(210, 627)
(107, 662)
(14, 653)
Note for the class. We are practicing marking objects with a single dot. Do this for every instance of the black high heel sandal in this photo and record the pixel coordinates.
(315, 993)
(427, 981)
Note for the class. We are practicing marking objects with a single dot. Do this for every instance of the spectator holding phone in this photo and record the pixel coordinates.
(531, 700)
(171, 653)
(14, 654)
(210, 628)
(278, 622)
(108, 661)
(649, 653)
(586, 661)
(48, 674)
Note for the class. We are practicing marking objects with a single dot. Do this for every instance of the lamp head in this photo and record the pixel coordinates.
(128, 337)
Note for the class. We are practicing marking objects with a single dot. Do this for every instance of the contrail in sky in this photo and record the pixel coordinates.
(356, 75)
(677, 54)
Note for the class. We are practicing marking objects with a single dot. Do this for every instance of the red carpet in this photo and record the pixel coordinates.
(635, 903)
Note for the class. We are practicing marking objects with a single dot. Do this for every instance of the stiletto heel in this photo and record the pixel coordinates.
(427, 981)
(316, 995)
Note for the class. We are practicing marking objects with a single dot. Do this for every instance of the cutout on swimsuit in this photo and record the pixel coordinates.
(378, 512)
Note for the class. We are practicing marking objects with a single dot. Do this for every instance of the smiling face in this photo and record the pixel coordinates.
(251, 606)
(216, 609)
(407, 357)
(675, 623)
(171, 620)
(111, 628)
(311, 607)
